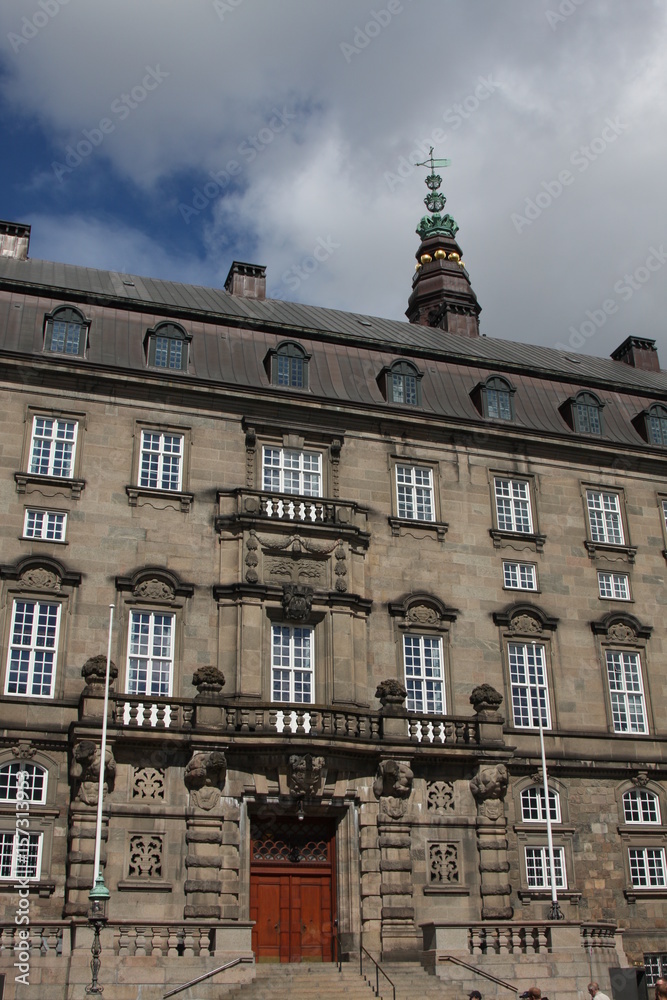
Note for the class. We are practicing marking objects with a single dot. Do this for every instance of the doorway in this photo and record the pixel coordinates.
(292, 897)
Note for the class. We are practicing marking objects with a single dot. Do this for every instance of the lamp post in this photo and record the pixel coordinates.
(99, 894)
(555, 912)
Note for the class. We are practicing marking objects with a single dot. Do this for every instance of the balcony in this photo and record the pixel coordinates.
(245, 507)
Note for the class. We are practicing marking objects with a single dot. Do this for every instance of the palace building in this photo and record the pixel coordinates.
(355, 565)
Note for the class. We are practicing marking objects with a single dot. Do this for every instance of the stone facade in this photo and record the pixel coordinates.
(424, 804)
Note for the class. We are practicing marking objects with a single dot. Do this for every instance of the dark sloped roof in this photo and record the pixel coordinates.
(219, 306)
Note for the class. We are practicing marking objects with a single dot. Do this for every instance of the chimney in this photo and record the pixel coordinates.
(638, 352)
(14, 240)
(248, 281)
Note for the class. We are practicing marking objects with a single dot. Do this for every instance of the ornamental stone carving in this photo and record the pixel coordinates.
(525, 623)
(422, 614)
(297, 601)
(485, 698)
(640, 779)
(39, 578)
(208, 680)
(85, 769)
(443, 863)
(94, 672)
(205, 775)
(145, 856)
(392, 786)
(24, 750)
(154, 589)
(305, 773)
(488, 788)
(619, 632)
(440, 796)
(391, 692)
(148, 783)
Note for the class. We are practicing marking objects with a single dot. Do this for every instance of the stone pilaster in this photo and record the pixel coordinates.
(488, 788)
(81, 856)
(204, 776)
(393, 786)
(369, 854)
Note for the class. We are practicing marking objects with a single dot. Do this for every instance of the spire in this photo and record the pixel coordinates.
(442, 296)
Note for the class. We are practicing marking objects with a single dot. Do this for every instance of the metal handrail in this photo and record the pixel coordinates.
(339, 947)
(479, 972)
(378, 970)
(207, 975)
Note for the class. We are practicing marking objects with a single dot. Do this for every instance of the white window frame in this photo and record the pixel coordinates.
(160, 466)
(513, 505)
(519, 576)
(294, 471)
(24, 658)
(613, 586)
(626, 691)
(647, 867)
(45, 525)
(9, 779)
(292, 664)
(536, 860)
(641, 807)
(529, 684)
(423, 665)
(53, 447)
(605, 517)
(533, 805)
(415, 496)
(15, 854)
(150, 660)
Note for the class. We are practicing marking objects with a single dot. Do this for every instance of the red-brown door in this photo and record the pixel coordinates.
(291, 892)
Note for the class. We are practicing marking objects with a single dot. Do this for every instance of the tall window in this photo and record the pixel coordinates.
(614, 585)
(20, 855)
(168, 347)
(65, 332)
(47, 525)
(286, 470)
(528, 680)
(289, 366)
(424, 677)
(30, 778)
(497, 399)
(626, 692)
(150, 660)
(52, 447)
(513, 505)
(533, 805)
(402, 381)
(414, 488)
(31, 664)
(656, 425)
(161, 462)
(587, 414)
(641, 806)
(538, 869)
(604, 516)
(647, 867)
(292, 678)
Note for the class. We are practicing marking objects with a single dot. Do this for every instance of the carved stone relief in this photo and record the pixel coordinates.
(488, 788)
(205, 775)
(619, 632)
(525, 623)
(148, 783)
(440, 796)
(297, 601)
(422, 614)
(305, 773)
(154, 590)
(145, 856)
(85, 769)
(443, 864)
(39, 578)
(392, 786)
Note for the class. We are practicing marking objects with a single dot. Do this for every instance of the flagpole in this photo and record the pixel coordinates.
(555, 913)
(103, 751)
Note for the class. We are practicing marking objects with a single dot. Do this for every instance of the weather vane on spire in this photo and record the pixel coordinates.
(435, 224)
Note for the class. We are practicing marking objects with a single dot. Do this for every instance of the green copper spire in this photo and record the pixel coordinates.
(435, 224)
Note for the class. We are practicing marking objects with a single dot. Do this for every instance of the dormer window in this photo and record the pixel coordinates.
(400, 383)
(287, 366)
(493, 398)
(65, 332)
(656, 425)
(167, 347)
(586, 412)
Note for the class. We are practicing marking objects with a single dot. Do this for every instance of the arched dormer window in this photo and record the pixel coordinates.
(497, 399)
(656, 425)
(533, 809)
(641, 806)
(167, 347)
(288, 366)
(401, 383)
(23, 780)
(586, 413)
(66, 332)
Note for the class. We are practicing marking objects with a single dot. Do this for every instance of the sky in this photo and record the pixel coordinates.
(170, 137)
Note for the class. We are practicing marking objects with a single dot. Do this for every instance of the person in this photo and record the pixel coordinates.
(474, 995)
(595, 991)
(534, 993)
(661, 989)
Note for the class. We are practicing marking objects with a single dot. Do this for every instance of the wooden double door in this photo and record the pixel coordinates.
(292, 899)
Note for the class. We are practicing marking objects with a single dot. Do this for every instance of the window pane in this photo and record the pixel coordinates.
(424, 680)
(528, 682)
(150, 653)
(292, 664)
(513, 505)
(65, 337)
(52, 447)
(414, 487)
(161, 460)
